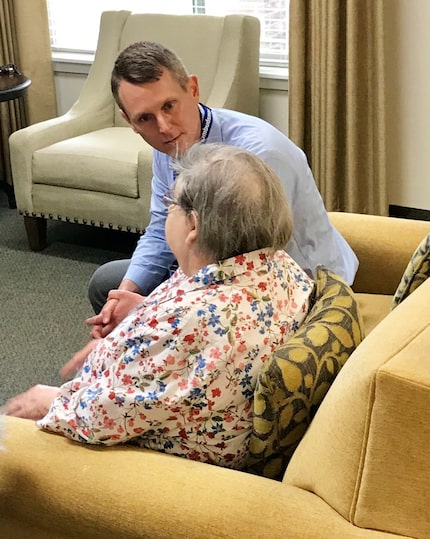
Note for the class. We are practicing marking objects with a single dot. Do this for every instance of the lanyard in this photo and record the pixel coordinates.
(206, 119)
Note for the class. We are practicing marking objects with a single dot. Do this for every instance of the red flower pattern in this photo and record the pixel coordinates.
(178, 374)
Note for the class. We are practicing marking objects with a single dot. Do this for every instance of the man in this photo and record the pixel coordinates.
(160, 101)
(178, 373)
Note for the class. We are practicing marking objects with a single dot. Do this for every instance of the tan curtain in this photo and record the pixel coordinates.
(24, 40)
(336, 99)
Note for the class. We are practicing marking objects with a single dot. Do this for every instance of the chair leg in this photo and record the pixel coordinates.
(36, 228)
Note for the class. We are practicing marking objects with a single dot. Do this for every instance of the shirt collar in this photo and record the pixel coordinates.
(230, 268)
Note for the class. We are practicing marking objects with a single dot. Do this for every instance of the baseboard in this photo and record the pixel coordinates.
(408, 213)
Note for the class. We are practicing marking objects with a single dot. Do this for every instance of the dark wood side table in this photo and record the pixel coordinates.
(12, 86)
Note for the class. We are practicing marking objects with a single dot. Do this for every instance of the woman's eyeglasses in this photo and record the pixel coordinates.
(169, 199)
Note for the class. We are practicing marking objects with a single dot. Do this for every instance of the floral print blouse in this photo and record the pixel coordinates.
(178, 373)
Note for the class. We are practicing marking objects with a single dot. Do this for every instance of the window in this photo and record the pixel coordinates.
(74, 25)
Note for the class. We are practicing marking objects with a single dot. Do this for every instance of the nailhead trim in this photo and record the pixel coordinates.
(76, 220)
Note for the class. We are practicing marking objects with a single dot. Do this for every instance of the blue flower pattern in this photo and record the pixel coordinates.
(178, 374)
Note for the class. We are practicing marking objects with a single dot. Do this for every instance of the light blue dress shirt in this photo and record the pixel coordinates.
(314, 241)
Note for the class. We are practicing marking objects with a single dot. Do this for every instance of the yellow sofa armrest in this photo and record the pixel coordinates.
(383, 245)
(366, 451)
(51, 487)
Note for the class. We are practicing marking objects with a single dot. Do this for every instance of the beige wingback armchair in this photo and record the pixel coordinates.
(88, 166)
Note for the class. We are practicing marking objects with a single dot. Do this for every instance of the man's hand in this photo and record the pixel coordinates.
(104, 322)
(117, 307)
(78, 359)
(32, 404)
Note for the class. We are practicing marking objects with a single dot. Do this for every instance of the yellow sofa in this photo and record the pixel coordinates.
(362, 469)
(384, 247)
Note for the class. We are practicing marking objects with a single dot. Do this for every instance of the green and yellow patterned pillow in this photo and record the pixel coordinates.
(416, 272)
(294, 381)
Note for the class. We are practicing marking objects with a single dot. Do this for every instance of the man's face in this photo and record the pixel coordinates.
(164, 114)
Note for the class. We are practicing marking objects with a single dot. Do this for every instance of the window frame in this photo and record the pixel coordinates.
(277, 68)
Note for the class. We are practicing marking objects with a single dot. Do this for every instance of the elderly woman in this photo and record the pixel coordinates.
(178, 373)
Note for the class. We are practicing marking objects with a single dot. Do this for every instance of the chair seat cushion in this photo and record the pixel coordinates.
(104, 161)
(293, 382)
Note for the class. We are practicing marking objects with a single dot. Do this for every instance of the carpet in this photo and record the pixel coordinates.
(43, 295)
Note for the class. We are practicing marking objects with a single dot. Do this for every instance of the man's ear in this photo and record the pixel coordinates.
(193, 85)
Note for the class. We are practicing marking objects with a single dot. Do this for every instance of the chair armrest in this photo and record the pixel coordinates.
(383, 245)
(24, 142)
(42, 134)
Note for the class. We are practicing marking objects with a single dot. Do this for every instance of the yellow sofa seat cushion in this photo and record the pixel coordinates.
(292, 384)
(373, 309)
(373, 429)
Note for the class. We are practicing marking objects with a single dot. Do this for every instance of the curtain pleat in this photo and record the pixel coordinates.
(24, 41)
(34, 46)
(336, 99)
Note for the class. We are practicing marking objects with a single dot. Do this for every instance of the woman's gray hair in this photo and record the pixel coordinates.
(145, 61)
(239, 200)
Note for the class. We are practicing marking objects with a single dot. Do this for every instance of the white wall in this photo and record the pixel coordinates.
(68, 86)
(407, 34)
